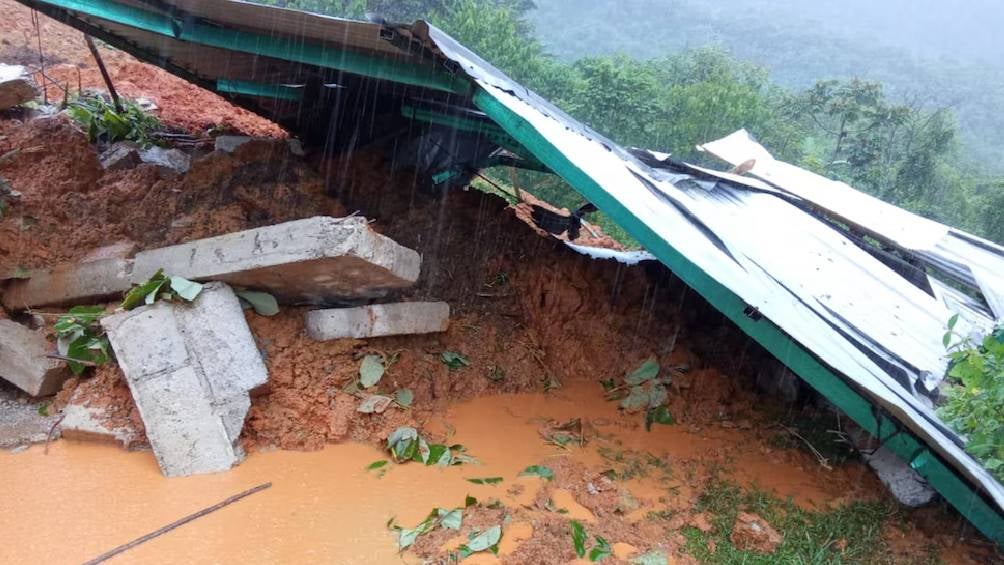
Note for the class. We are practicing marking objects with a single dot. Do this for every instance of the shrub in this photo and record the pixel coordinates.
(975, 409)
(105, 124)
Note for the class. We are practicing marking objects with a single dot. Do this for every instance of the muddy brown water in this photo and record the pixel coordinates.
(82, 499)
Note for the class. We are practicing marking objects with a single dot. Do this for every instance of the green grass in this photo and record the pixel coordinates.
(809, 537)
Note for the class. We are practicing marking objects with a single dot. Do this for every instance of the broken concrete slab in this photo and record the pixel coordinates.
(190, 368)
(16, 86)
(317, 260)
(120, 156)
(174, 160)
(22, 422)
(104, 273)
(909, 488)
(228, 143)
(87, 423)
(378, 320)
(23, 360)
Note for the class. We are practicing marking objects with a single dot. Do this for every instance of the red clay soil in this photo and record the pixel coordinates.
(68, 62)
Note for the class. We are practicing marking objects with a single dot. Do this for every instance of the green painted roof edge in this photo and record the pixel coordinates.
(904, 444)
(426, 76)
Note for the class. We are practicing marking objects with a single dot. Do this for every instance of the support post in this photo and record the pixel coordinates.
(104, 72)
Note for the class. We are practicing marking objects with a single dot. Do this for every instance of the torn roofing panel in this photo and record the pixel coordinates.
(960, 256)
(858, 331)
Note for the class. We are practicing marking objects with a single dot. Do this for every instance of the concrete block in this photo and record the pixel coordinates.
(23, 360)
(20, 422)
(87, 423)
(16, 86)
(190, 368)
(174, 160)
(316, 260)
(103, 274)
(909, 488)
(378, 320)
(120, 156)
(228, 143)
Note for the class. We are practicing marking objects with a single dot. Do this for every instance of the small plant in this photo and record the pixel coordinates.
(538, 471)
(485, 480)
(449, 519)
(644, 389)
(163, 287)
(80, 339)
(478, 541)
(976, 408)
(600, 551)
(405, 444)
(454, 360)
(106, 124)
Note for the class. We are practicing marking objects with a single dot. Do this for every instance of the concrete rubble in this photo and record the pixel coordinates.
(102, 274)
(378, 320)
(228, 143)
(120, 156)
(87, 423)
(23, 360)
(173, 160)
(22, 420)
(316, 260)
(190, 369)
(16, 86)
(905, 484)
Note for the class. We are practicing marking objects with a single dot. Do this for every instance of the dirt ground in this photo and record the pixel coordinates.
(531, 315)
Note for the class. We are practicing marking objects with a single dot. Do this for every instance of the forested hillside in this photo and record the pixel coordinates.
(667, 74)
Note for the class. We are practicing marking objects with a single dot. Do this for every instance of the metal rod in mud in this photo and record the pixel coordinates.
(104, 72)
(141, 540)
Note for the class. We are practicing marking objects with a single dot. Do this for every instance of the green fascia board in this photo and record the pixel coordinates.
(902, 442)
(488, 129)
(248, 88)
(289, 49)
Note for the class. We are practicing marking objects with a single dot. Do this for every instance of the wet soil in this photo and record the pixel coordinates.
(325, 506)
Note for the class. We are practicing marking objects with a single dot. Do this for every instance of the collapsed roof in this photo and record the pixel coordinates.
(787, 255)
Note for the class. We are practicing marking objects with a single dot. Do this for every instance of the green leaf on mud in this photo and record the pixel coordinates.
(600, 551)
(377, 465)
(486, 540)
(486, 481)
(646, 372)
(403, 443)
(538, 471)
(404, 397)
(452, 519)
(371, 370)
(454, 360)
(578, 537)
(636, 399)
(657, 394)
(658, 415)
(470, 501)
(264, 304)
